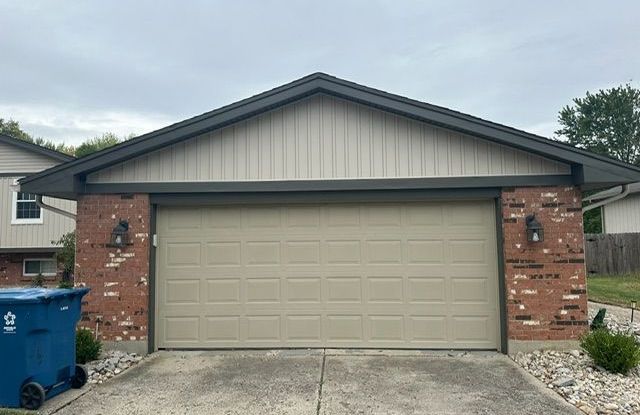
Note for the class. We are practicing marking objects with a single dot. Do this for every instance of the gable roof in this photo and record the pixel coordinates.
(590, 169)
(35, 148)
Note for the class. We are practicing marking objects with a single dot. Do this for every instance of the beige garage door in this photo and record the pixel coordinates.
(410, 275)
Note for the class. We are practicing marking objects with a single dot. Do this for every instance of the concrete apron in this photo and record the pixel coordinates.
(330, 381)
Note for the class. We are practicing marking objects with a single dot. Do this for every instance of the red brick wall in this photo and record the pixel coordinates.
(118, 301)
(545, 281)
(11, 270)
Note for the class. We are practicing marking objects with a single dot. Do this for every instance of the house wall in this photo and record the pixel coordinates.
(323, 137)
(53, 225)
(117, 305)
(14, 159)
(11, 270)
(622, 216)
(545, 282)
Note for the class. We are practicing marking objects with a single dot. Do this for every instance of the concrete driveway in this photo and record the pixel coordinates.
(321, 382)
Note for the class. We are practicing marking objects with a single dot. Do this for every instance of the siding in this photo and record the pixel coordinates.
(14, 159)
(623, 216)
(324, 137)
(32, 235)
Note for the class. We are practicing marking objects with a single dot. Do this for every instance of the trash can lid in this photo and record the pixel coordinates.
(37, 295)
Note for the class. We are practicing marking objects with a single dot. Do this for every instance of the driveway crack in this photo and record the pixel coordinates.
(324, 359)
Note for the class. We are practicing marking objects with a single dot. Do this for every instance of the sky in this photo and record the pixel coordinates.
(73, 70)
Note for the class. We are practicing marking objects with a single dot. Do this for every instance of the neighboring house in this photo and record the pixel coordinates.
(324, 213)
(26, 230)
(622, 215)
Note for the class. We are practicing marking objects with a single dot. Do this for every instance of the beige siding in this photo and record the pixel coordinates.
(623, 216)
(31, 235)
(18, 160)
(327, 138)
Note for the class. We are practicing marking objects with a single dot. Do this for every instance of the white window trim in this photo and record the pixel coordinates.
(48, 274)
(14, 213)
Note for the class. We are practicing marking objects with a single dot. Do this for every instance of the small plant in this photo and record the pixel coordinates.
(38, 281)
(87, 346)
(65, 284)
(67, 255)
(616, 352)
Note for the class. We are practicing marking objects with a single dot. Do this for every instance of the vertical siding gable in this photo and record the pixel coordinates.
(324, 137)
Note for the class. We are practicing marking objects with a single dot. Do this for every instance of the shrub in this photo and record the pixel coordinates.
(616, 352)
(87, 347)
(65, 284)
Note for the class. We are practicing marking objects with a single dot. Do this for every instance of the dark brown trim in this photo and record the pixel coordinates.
(442, 183)
(502, 286)
(151, 313)
(16, 174)
(362, 196)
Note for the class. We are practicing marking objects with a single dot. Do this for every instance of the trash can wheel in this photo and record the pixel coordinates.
(32, 396)
(80, 377)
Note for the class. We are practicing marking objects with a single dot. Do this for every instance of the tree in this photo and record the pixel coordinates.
(12, 128)
(607, 122)
(96, 144)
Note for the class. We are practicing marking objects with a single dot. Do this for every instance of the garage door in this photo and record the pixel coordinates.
(410, 275)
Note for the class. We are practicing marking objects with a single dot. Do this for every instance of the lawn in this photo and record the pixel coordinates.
(614, 289)
(6, 411)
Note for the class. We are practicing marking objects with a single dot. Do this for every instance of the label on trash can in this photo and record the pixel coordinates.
(9, 323)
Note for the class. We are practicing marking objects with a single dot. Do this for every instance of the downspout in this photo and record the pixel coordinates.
(62, 212)
(621, 195)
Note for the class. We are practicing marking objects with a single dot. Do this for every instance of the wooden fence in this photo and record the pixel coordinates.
(612, 254)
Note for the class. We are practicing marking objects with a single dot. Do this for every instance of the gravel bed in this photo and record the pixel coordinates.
(111, 364)
(574, 376)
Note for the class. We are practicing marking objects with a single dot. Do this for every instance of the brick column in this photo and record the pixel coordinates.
(118, 302)
(545, 281)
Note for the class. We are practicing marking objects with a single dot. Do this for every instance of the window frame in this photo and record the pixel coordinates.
(48, 274)
(23, 221)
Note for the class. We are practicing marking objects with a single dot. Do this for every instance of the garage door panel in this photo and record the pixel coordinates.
(222, 329)
(223, 290)
(415, 275)
(223, 253)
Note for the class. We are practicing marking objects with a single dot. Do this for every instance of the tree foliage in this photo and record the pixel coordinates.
(96, 144)
(607, 122)
(13, 129)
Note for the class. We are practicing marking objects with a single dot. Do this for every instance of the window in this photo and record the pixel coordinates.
(34, 267)
(25, 209)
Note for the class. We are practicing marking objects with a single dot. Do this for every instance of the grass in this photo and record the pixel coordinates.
(6, 411)
(614, 289)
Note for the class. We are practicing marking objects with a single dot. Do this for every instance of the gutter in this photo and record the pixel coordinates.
(623, 193)
(62, 212)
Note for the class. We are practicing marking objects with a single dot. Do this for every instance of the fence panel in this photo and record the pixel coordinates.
(611, 254)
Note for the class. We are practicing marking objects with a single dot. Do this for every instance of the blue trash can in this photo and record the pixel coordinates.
(38, 344)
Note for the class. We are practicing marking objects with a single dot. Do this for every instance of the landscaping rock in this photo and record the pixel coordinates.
(111, 364)
(574, 376)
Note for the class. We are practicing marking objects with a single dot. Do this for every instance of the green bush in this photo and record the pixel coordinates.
(65, 284)
(616, 352)
(87, 347)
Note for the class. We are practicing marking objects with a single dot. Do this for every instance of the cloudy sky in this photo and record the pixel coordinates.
(72, 70)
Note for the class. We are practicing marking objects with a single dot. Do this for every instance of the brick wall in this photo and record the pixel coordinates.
(545, 281)
(118, 277)
(11, 270)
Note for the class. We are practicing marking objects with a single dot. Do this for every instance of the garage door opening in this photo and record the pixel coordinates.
(374, 275)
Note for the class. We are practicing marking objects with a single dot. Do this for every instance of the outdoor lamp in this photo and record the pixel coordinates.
(120, 234)
(535, 233)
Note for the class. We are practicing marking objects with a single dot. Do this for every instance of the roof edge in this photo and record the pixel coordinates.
(36, 148)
